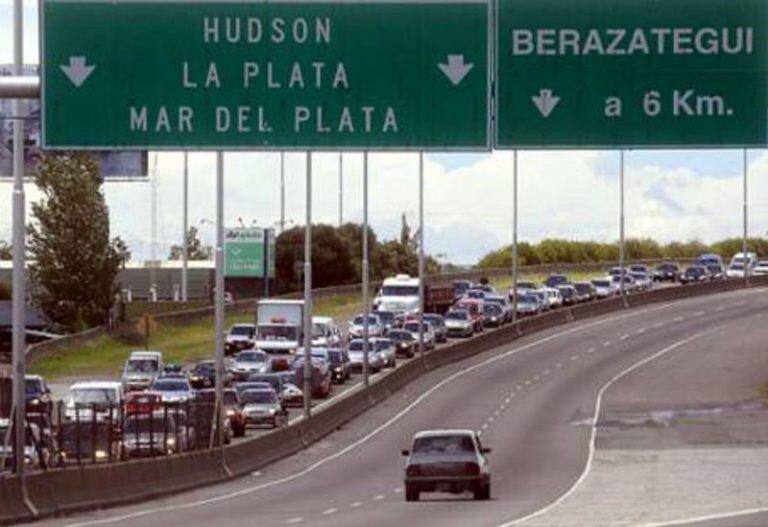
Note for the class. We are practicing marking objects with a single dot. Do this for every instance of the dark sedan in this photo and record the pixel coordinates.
(695, 273)
(450, 461)
(405, 344)
(666, 272)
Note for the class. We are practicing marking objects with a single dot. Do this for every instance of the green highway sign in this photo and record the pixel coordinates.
(266, 74)
(244, 253)
(631, 73)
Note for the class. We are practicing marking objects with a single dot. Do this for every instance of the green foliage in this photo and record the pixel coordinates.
(568, 251)
(195, 248)
(5, 251)
(5, 291)
(73, 261)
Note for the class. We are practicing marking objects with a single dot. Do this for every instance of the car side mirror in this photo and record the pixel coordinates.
(485, 450)
(405, 452)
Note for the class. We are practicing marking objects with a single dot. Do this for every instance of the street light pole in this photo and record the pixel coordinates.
(621, 226)
(308, 295)
(421, 255)
(366, 336)
(514, 237)
(282, 192)
(19, 295)
(341, 189)
(744, 242)
(219, 309)
(185, 222)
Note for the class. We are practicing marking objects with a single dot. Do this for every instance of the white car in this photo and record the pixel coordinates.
(173, 389)
(604, 287)
(375, 327)
(325, 333)
(761, 267)
(89, 400)
(553, 295)
(240, 337)
(250, 361)
(141, 369)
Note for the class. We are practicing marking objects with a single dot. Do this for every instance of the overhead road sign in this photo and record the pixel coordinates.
(631, 73)
(284, 74)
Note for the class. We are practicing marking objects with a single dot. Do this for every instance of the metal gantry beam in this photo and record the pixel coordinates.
(19, 87)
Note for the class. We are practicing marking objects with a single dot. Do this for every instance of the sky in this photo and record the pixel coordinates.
(670, 195)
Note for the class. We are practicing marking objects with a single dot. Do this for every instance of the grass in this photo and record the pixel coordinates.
(179, 344)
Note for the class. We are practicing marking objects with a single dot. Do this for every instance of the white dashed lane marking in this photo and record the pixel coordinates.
(294, 520)
(606, 343)
(378, 497)
(330, 511)
(356, 504)
(624, 337)
(640, 331)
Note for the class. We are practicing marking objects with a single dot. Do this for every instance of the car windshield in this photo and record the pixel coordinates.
(250, 356)
(737, 267)
(93, 395)
(413, 327)
(491, 309)
(334, 356)
(601, 283)
(170, 385)
(448, 444)
(33, 386)
(435, 320)
(278, 333)
(400, 335)
(205, 367)
(457, 315)
(528, 299)
(259, 397)
(141, 366)
(400, 290)
(381, 345)
(372, 320)
(319, 330)
(242, 331)
(387, 317)
(357, 346)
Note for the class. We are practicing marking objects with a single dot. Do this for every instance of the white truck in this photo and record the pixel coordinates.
(400, 294)
(742, 263)
(279, 325)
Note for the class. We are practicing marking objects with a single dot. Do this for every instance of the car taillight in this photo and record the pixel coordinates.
(413, 470)
(471, 468)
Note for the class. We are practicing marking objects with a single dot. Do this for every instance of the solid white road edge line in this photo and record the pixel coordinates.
(593, 424)
(711, 517)
(392, 420)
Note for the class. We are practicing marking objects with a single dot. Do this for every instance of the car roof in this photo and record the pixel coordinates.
(322, 320)
(146, 354)
(244, 325)
(446, 432)
(96, 384)
(260, 390)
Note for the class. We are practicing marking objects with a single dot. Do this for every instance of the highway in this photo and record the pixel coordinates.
(535, 402)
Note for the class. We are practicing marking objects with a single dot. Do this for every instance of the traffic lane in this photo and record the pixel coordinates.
(350, 481)
(734, 519)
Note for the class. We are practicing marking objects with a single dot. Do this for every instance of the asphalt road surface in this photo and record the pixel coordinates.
(534, 401)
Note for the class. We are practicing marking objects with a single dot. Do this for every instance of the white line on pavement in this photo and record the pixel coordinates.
(356, 504)
(330, 511)
(593, 425)
(711, 517)
(294, 520)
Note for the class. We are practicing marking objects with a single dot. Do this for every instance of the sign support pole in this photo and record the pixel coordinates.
(421, 255)
(514, 237)
(282, 192)
(744, 242)
(185, 226)
(622, 285)
(366, 308)
(308, 295)
(219, 309)
(19, 243)
(341, 189)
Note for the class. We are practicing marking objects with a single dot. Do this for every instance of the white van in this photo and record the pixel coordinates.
(89, 399)
(141, 369)
(742, 263)
(325, 333)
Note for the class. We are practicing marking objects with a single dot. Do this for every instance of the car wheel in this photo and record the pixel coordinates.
(411, 494)
(483, 492)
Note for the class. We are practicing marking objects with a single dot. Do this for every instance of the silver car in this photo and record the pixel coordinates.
(250, 361)
(385, 348)
(262, 407)
(375, 327)
(173, 389)
(355, 351)
(459, 323)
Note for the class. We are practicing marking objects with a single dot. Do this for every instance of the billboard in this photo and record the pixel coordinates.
(111, 163)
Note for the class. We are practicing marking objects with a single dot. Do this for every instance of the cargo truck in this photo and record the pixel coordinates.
(401, 295)
(279, 326)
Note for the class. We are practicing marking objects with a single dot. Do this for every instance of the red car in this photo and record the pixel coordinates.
(476, 311)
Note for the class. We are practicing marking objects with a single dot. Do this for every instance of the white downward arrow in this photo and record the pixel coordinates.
(77, 71)
(455, 69)
(545, 102)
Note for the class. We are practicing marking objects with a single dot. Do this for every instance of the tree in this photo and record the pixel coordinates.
(331, 262)
(195, 248)
(6, 251)
(73, 261)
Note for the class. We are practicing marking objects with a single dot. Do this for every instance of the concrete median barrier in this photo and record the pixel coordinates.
(68, 490)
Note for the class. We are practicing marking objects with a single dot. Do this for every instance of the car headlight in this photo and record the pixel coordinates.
(272, 411)
(230, 413)
(34, 402)
(170, 442)
(100, 455)
(338, 369)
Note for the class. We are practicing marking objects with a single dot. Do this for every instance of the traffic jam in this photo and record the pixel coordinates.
(159, 409)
